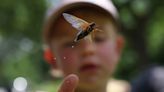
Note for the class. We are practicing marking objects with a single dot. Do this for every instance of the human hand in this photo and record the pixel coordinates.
(69, 83)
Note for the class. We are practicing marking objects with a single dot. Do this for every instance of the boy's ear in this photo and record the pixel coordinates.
(120, 43)
(49, 57)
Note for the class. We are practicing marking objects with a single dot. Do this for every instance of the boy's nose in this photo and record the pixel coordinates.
(88, 48)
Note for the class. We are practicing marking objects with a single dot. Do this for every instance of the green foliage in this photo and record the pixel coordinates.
(50, 86)
(20, 40)
(156, 33)
(142, 23)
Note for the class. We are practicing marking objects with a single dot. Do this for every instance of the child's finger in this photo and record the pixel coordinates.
(69, 84)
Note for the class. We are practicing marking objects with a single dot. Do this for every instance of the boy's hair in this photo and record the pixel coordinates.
(68, 5)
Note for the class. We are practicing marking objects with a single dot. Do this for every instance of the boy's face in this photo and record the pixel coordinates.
(93, 62)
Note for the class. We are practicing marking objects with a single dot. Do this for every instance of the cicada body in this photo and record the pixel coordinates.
(81, 25)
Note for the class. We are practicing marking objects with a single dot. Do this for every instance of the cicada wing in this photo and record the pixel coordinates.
(76, 22)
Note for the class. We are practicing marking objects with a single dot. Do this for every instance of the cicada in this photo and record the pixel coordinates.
(81, 25)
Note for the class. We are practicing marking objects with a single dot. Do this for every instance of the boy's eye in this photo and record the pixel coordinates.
(98, 38)
(68, 44)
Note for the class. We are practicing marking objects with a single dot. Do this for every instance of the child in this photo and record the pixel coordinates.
(86, 65)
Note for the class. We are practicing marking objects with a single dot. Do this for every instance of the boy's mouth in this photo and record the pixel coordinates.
(89, 68)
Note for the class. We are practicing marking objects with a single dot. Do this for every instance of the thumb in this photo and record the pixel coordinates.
(69, 83)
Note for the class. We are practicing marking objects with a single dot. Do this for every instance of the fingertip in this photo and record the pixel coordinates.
(73, 77)
(69, 84)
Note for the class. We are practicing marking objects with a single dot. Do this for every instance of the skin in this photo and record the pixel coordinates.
(86, 65)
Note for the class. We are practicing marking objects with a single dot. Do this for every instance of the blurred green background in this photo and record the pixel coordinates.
(21, 49)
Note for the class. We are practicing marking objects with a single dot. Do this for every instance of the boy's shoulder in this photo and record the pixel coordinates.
(115, 85)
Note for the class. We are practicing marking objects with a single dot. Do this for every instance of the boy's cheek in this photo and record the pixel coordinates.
(66, 54)
(107, 50)
(68, 58)
(108, 55)
(68, 62)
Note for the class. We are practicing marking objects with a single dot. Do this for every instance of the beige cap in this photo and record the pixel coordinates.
(54, 12)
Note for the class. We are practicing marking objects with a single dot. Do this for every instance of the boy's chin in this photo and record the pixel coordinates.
(91, 83)
(93, 80)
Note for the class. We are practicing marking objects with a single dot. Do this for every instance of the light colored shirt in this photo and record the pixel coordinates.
(118, 86)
